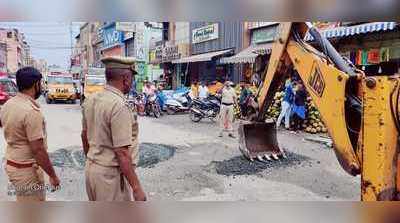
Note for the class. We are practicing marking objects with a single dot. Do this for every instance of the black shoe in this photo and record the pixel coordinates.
(232, 136)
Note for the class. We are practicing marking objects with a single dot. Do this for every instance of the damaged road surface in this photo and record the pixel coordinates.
(149, 155)
(182, 160)
(239, 165)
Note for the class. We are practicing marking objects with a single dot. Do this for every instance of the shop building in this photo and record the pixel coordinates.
(173, 46)
(372, 47)
(253, 59)
(147, 33)
(210, 42)
(113, 40)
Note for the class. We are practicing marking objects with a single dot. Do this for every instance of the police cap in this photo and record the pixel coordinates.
(114, 62)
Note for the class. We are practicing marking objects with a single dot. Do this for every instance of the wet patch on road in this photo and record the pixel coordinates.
(64, 158)
(239, 165)
(149, 155)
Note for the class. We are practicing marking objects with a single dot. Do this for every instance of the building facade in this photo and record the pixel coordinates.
(253, 58)
(173, 46)
(209, 42)
(14, 50)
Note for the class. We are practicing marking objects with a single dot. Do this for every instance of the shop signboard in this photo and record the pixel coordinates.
(205, 33)
(112, 37)
(152, 56)
(263, 35)
(256, 25)
(170, 53)
(165, 52)
(126, 26)
(158, 52)
(128, 35)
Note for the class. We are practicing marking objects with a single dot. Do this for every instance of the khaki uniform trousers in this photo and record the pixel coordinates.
(106, 183)
(226, 118)
(27, 182)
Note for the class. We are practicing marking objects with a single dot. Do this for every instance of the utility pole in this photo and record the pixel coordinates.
(72, 46)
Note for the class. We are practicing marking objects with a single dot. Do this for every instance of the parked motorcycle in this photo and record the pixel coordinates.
(152, 106)
(207, 108)
(179, 102)
(138, 102)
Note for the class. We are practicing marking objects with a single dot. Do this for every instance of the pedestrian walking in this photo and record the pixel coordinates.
(110, 137)
(25, 133)
(286, 106)
(203, 91)
(299, 106)
(243, 99)
(228, 100)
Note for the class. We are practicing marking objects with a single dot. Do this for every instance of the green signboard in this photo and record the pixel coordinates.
(263, 35)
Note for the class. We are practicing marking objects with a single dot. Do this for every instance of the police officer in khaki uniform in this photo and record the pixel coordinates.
(110, 137)
(228, 100)
(25, 134)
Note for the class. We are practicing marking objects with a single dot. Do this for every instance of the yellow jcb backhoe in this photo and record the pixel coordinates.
(361, 112)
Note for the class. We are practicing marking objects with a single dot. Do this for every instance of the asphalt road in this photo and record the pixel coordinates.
(182, 160)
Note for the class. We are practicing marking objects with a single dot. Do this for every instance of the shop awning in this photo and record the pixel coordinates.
(202, 57)
(355, 30)
(249, 54)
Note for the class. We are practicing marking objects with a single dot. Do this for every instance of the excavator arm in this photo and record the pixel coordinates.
(359, 112)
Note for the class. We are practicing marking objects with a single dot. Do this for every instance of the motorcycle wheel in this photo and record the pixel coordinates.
(195, 117)
(170, 111)
(156, 111)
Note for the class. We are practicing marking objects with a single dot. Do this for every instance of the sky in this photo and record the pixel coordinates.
(48, 40)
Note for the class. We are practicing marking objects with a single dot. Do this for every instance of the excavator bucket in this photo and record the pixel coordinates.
(258, 141)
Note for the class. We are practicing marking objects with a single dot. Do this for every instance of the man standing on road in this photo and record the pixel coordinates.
(286, 106)
(203, 91)
(25, 134)
(110, 137)
(228, 100)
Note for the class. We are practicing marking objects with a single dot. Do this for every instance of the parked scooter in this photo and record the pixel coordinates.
(207, 108)
(179, 102)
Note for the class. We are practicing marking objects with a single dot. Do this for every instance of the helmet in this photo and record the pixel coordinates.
(26, 77)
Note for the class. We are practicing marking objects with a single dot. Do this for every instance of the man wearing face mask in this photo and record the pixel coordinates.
(25, 133)
(110, 137)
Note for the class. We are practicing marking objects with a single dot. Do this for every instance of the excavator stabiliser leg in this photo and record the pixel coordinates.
(258, 141)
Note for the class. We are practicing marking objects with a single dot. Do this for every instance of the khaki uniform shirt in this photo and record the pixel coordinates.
(110, 123)
(228, 95)
(23, 122)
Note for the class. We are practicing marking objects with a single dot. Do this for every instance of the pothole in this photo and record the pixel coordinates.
(149, 155)
(239, 165)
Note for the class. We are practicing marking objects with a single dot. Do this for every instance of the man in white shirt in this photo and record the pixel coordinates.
(203, 91)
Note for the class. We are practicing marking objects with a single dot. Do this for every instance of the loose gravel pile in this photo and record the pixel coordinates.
(241, 166)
